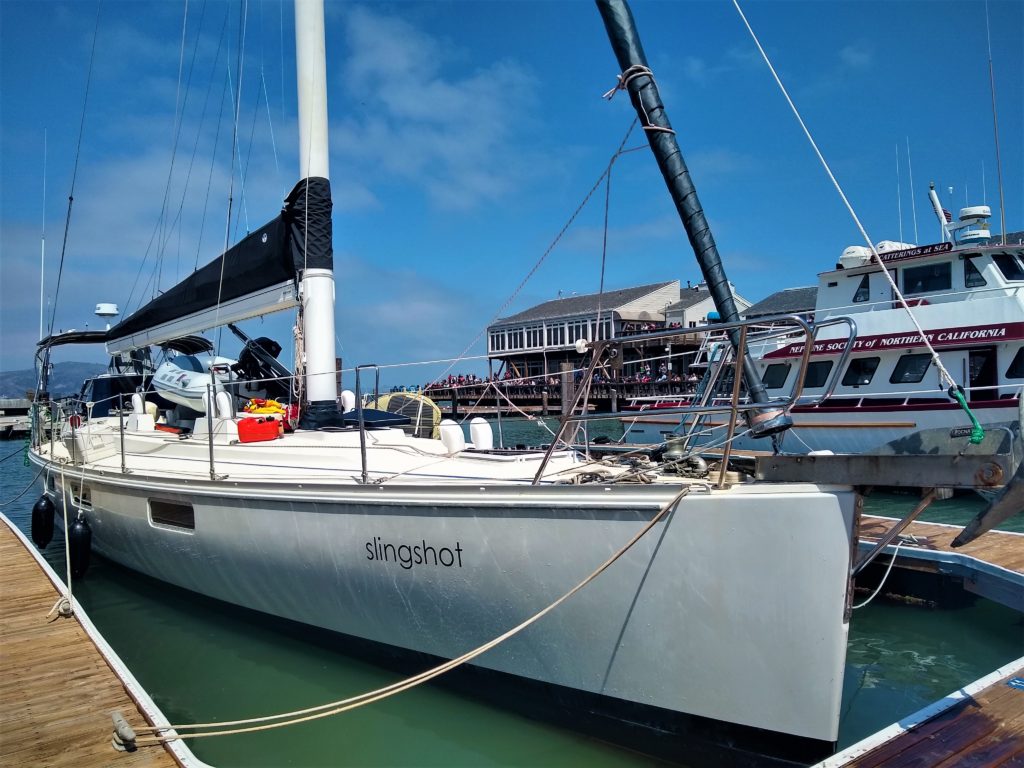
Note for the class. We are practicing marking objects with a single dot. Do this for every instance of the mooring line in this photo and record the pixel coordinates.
(337, 707)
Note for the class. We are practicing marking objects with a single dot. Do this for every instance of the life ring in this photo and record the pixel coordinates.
(75, 420)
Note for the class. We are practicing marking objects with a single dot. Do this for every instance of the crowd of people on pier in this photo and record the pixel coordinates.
(661, 374)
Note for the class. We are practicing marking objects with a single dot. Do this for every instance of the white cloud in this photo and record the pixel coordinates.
(856, 57)
(450, 135)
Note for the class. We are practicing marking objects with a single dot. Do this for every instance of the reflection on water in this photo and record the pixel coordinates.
(202, 660)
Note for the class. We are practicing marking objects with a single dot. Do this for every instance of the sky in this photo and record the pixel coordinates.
(464, 135)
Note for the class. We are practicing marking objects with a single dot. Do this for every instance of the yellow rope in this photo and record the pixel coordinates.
(337, 707)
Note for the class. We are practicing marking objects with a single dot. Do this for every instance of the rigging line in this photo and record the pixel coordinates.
(270, 125)
(195, 146)
(179, 113)
(213, 165)
(74, 173)
(551, 246)
(27, 488)
(199, 130)
(156, 227)
(243, 12)
(995, 128)
(244, 169)
(337, 707)
(600, 294)
(849, 207)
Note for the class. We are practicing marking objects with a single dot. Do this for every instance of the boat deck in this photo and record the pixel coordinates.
(57, 687)
(991, 566)
(979, 725)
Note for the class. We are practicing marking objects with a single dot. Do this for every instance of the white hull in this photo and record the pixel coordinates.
(839, 432)
(687, 621)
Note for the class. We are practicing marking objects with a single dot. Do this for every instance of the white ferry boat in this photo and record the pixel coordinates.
(967, 296)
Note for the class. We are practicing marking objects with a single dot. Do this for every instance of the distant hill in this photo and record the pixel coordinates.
(66, 379)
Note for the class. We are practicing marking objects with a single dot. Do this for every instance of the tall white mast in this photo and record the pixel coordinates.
(317, 286)
(42, 245)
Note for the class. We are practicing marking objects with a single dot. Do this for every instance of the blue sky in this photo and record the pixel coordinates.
(464, 135)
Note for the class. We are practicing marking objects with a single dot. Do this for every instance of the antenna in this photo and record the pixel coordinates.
(995, 128)
(913, 199)
(899, 197)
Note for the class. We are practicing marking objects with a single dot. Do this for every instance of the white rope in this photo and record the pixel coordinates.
(337, 707)
(884, 578)
(874, 253)
(63, 606)
(635, 71)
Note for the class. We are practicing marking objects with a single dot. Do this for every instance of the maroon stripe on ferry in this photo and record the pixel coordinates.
(975, 405)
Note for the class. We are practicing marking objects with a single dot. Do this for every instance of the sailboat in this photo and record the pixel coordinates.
(722, 620)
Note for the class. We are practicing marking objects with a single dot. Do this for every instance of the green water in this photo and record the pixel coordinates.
(202, 660)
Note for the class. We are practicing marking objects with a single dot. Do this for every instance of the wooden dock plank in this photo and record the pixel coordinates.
(1001, 548)
(56, 689)
(984, 730)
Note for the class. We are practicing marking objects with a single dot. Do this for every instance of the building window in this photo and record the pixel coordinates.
(860, 371)
(817, 374)
(556, 335)
(930, 277)
(775, 375)
(578, 330)
(910, 369)
(972, 276)
(1016, 369)
(863, 292)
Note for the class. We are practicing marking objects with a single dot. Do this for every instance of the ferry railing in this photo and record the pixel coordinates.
(734, 406)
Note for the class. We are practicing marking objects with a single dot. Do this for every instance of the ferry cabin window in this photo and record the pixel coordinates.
(863, 292)
(775, 375)
(1016, 369)
(1009, 265)
(910, 369)
(817, 374)
(930, 277)
(860, 371)
(972, 277)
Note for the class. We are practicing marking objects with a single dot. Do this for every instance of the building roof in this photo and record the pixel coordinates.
(571, 306)
(789, 301)
(690, 296)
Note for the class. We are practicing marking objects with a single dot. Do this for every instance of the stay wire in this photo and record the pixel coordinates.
(849, 207)
(74, 173)
(153, 240)
(547, 252)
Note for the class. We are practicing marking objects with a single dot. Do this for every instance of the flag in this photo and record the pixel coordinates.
(948, 215)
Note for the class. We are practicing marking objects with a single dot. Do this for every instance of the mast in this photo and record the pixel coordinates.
(643, 92)
(317, 281)
(42, 245)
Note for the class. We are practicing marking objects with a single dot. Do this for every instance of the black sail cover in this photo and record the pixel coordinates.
(297, 239)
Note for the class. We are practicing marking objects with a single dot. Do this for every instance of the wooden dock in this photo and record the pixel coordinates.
(991, 566)
(59, 681)
(979, 726)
